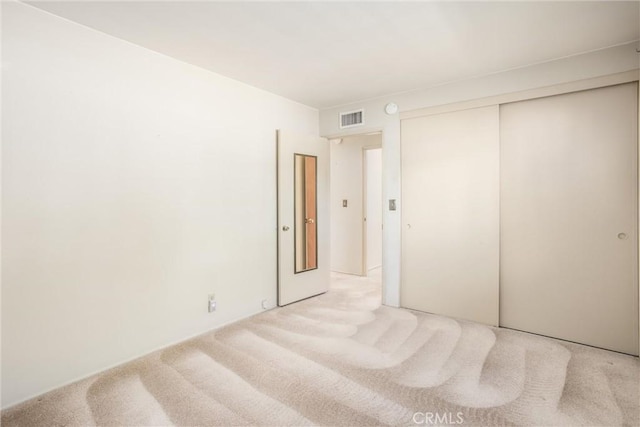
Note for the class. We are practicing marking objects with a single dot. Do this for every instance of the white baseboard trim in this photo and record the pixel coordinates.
(125, 361)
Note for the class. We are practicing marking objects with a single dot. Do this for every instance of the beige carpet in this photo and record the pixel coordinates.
(342, 359)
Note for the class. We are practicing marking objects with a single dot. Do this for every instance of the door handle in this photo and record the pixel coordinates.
(285, 228)
(309, 221)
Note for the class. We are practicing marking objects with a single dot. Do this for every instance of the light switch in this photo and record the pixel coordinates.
(344, 203)
(392, 204)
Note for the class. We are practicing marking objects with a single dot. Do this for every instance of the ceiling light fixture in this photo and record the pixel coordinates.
(391, 108)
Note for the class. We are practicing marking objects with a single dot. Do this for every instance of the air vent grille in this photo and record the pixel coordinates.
(351, 118)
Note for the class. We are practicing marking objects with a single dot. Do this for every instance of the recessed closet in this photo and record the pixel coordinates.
(524, 214)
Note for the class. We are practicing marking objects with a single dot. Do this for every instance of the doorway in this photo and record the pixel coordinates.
(356, 204)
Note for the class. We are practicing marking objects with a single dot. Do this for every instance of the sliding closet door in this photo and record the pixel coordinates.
(569, 217)
(450, 209)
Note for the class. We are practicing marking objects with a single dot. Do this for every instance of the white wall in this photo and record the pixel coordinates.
(346, 183)
(373, 170)
(133, 186)
(599, 63)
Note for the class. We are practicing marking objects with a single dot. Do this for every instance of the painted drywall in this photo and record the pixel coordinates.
(134, 185)
(603, 62)
(347, 184)
(373, 213)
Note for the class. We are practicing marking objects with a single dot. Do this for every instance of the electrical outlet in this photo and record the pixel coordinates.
(212, 303)
(265, 304)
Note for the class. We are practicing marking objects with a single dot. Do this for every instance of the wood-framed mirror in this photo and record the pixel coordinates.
(305, 213)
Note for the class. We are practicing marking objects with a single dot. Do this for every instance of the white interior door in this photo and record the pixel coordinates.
(303, 216)
(372, 159)
(569, 217)
(450, 212)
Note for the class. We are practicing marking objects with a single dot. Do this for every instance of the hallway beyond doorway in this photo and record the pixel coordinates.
(356, 203)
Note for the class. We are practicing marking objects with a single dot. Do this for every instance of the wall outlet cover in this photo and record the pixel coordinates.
(212, 303)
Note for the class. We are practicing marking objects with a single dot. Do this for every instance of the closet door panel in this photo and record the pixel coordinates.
(569, 217)
(450, 210)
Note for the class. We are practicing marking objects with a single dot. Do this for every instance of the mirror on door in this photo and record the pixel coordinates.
(306, 227)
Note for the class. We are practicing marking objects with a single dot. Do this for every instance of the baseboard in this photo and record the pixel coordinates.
(131, 359)
(344, 272)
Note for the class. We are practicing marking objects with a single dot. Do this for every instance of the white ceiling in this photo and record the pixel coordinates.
(325, 54)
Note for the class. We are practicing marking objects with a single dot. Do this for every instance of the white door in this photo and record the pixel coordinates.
(372, 190)
(303, 216)
(450, 214)
(569, 217)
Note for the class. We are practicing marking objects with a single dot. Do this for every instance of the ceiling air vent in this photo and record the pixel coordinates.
(351, 118)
